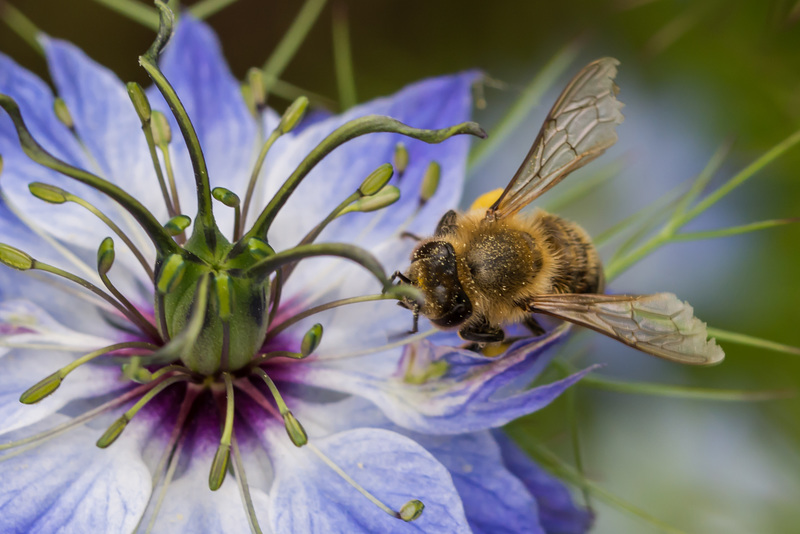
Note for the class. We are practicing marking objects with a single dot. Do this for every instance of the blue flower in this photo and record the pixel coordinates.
(398, 420)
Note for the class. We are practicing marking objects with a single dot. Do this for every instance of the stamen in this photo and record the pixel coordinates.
(294, 429)
(219, 467)
(430, 182)
(177, 225)
(408, 512)
(56, 195)
(144, 111)
(230, 199)
(258, 91)
(383, 198)
(162, 136)
(16, 259)
(48, 385)
(400, 159)
(116, 428)
(244, 489)
(105, 259)
(289, 120)
(63, 114)
(311, 340)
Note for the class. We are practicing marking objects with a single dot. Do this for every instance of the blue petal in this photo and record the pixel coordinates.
(465, 391)
(194, 65)
(68, 485)
(557, 511)
(307, 496)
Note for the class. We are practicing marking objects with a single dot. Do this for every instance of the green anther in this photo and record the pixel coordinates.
(133, 370)
(48, 193)
(222, 288)
(62, 113)
(140, 102)
(376, 180)
(15, 258)
(385, 197)
(293, 114)
(162, 133)
(176, 225)
(411, 510)
(255, 79)
(226, 196)
(430, 182)
(171, 273)
(1, 164)
(311, 340)
(295, 430)
(219, 467)
(105, 256)
(259, 248)
(113, 432)
(41, 389)
(247, 96)
(400, 158)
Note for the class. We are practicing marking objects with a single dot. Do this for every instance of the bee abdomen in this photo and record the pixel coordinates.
(578, 269)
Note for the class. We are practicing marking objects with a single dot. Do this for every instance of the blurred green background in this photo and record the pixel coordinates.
(694, 74)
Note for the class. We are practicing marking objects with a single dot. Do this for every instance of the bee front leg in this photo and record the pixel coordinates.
(533, 325)
(482, 332)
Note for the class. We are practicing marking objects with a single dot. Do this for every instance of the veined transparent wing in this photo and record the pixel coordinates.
(660, 324)
(578, 129)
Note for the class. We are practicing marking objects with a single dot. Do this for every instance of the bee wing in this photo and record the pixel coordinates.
(660, 324)
(578, 129)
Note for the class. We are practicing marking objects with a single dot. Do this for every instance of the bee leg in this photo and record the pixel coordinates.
(397, 275)
(447, 224)
(482, 332)
(415, 237)
(533, 325)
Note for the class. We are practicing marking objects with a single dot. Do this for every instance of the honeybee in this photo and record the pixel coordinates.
(490, 268)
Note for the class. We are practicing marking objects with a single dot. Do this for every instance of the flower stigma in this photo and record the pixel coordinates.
(214, 329)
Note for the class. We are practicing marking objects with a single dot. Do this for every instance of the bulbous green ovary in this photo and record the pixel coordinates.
(248, 320)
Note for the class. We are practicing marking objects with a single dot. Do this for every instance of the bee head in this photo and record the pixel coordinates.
(434, 271)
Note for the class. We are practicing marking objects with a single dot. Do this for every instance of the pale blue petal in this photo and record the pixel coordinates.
(67, 485)
(307, 496)
(558, 512)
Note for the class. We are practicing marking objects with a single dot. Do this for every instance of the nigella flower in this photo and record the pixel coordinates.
(205, 351)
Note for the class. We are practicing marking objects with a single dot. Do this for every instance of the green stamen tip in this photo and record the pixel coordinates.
(1, 164)
(247, 96)
(113, 432)
(171, 273)
(378, 178)
(48, 193)
(140, 102)
(259, 248)
(226, 196)
(293, 114)
(134, 371)
(222, 288)
(311, 340)
(219, 467)
(15, 258)
(411, 510)
(430, 182)
(295, 430)
(42, 389)
(62, 113)
(162, 133)
(400, 158)
(383, 198)
(258, 91)
(176, 225)
(105, 256)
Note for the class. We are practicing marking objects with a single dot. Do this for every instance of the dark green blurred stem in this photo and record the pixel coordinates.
(135, 11)
(21, 25)
(205, 8)
(162, 241)
(343, 57)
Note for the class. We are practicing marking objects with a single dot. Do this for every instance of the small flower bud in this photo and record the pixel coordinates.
(259, 248)
(162, 133)
(105, 256)
(311, 340)
(411, 510)
(48, 193)
(376, 180)
(219, 467)
(293, 114)
(400, 159)
(226, 196)
(255, 79)
(171, 273)
(113, 432)
(177, 224)
(295, 430)
(15, 258)
(430, 182)
(41, 389)
(62, 113)
(140, 102)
